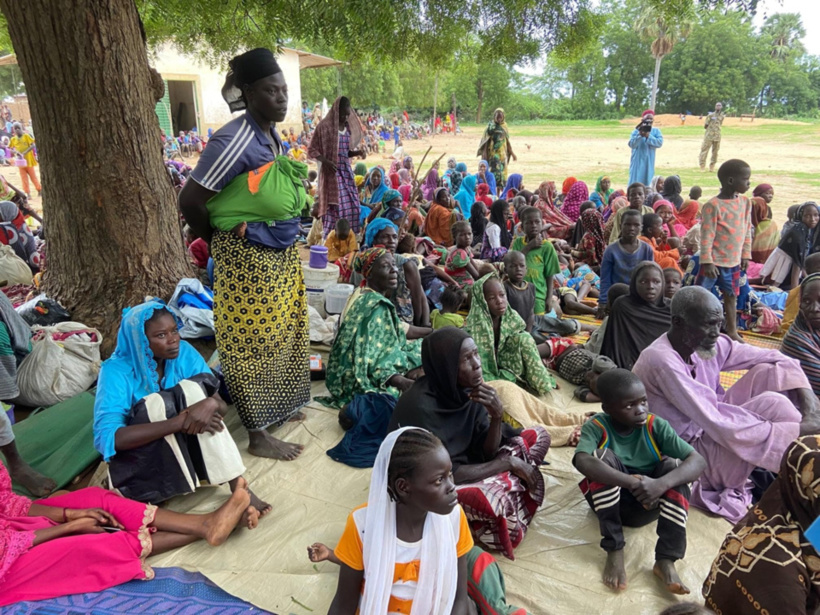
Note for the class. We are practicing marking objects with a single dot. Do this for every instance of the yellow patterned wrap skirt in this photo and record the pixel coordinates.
(262, 331)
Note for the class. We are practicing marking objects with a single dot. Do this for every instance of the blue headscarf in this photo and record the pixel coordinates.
(376, 197)
(490, 178)
(389, 195)
(461, 167)
(376, 227)
(513, 183)
(466, 195)
(131, 374)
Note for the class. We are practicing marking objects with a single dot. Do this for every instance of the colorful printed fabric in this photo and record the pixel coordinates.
(262, 332)
(726, 231)
(456, 266)
(348, 195)
(500, 508)
(172, 590)
(766, 564)
(370, 348)
(496, 148)
(516, 358)
(571, 206)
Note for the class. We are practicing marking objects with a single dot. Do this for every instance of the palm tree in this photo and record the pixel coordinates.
(664, 36)
(786, 31)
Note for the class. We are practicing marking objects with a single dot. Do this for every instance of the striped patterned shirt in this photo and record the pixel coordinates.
(236, 148)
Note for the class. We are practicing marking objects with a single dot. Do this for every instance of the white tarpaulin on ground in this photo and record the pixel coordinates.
(557, 569)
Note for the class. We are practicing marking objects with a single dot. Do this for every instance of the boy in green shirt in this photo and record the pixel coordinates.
(542, 261)
(637, 470)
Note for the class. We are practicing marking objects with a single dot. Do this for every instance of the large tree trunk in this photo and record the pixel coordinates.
(110, 210)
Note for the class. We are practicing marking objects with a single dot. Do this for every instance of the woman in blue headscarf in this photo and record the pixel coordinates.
(158, 413)
(457, 177)
(484, 176)
(514, 182)
(374, 186)
(466, 195)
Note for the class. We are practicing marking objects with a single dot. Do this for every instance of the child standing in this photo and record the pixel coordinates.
(447, 316)
(636, 470)
(412, 524)
(622, 257)
(459, 264)
(341, 241)
(542, 260)
(726, 238)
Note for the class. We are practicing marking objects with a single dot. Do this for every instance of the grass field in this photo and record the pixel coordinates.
(784, 154)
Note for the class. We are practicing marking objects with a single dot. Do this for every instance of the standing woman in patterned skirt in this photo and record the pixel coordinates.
(333, 144)
(245, 199)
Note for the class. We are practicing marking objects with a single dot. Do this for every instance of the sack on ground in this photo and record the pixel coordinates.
(64, 361)
(193, 303)
(13, 269)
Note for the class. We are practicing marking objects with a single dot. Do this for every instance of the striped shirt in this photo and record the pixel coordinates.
(236, 148)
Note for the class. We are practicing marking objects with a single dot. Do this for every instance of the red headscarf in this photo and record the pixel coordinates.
(568, 182)
(687, 216)
(482, 194)
(647, 112)
(395, 180)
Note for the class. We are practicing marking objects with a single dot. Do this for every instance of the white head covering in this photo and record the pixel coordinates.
(438, 569)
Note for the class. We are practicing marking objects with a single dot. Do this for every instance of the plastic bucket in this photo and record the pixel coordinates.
(336, 297)
(316, 281)
(318, 257)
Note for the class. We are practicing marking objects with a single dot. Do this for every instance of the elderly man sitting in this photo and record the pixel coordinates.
(748, 426)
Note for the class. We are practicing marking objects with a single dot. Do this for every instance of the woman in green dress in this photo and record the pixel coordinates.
(371, 353)
(496, 147)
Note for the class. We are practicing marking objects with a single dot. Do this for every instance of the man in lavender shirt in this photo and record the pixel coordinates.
(748, 426)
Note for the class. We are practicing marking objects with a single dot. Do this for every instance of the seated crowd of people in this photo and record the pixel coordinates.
(472, 295)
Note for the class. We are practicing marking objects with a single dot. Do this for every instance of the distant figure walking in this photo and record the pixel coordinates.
(712, 124)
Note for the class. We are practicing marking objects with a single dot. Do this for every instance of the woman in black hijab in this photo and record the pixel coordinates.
(671, 191)
(639, 318)
(489, 457)
(251, 225)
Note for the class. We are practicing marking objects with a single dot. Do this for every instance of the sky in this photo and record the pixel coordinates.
(809, 10)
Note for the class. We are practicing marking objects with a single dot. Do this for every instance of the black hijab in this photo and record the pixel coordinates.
(246, 69)
(799, 240)
(633, 324)
(497, 217)
(671, 191)
(437, 403)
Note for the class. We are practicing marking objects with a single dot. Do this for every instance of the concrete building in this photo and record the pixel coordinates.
(193, 89)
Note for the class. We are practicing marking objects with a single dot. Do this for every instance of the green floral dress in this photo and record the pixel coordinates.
(370, 348)
(517, 359)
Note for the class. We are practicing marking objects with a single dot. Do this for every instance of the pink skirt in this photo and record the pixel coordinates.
(81, 563)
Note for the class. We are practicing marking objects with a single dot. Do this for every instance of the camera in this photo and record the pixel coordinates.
(645, 126)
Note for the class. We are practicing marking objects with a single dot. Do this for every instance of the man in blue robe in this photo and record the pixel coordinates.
(644, 141)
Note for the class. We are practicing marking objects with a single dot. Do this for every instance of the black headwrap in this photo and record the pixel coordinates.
(437, 403)
(246, 69)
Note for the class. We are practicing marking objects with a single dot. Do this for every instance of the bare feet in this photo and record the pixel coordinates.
(250, 518)
(263, 508)
(665, 570)
(223, 521)
(262, 444)
(614, 571)
(737, 337)
(298, 417)
(37, 484)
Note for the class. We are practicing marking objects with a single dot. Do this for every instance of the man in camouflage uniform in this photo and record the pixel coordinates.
(712, 137)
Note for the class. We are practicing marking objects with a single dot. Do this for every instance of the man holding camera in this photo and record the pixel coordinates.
(644, 141)
(711, 138)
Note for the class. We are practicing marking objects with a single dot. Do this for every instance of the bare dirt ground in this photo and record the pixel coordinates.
(784, 154)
